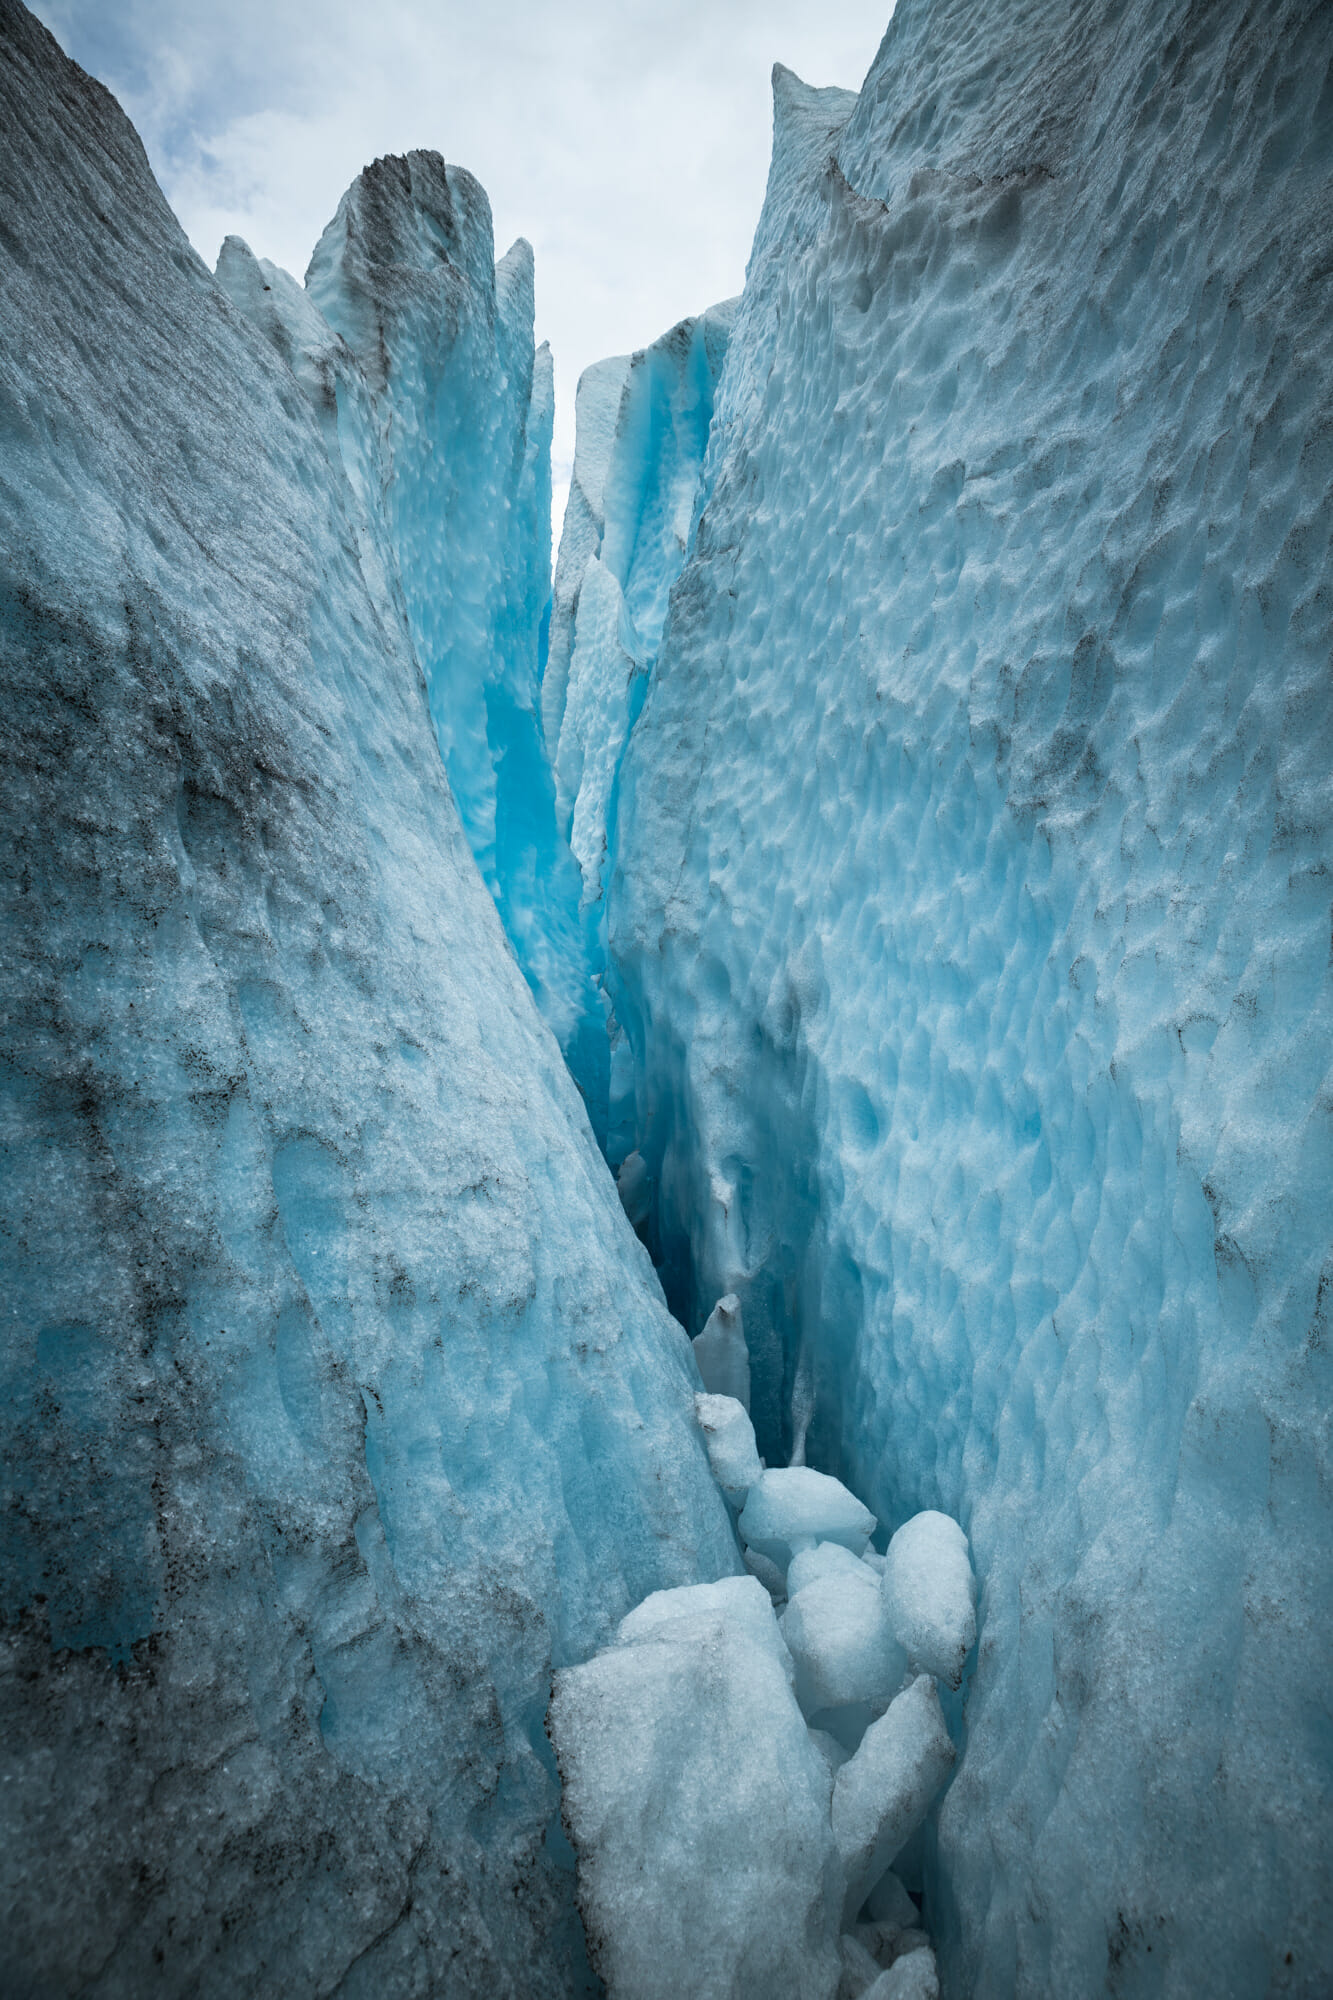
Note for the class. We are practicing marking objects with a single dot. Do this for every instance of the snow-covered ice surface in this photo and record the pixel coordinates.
(698, 1805)
(969, 924)
(339, 1400)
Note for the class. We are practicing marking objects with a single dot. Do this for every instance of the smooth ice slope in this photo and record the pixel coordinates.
(642, 423)
(969, 923)
(338, 1400)
(462, 413)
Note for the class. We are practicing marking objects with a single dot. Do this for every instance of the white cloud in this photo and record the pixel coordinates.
(626, 139)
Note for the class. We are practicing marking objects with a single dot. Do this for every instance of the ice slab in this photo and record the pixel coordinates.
(930, 1594)
(698, 1805)
(793, 1507)
(882, 1794)
(729, 1437)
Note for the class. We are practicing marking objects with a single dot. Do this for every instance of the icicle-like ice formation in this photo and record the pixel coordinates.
(337, 1399)
(969, 921)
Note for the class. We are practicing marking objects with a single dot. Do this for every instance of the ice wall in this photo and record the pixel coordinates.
(969, 922)
(642, 424)
(338, 1401)
(462, 408)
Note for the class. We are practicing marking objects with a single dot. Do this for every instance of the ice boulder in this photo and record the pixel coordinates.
(793, 1507)
(846, 1656)
(698, 1806)
(825, 1560)
(729, 1436)
(721, 1353)
(911, 1977)
(930, 1594)
(882, 1794)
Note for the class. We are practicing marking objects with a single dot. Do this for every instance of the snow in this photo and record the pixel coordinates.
(882, 1794)
(793, 1507)
(930, 1594)
(968, 924)
(729, 1437)
(698, 1805)
(339, 1401)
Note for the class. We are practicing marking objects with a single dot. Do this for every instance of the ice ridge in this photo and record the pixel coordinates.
(338, 1402)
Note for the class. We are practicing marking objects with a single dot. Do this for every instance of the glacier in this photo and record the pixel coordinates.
(968, 924)
(896, 842)
(340, 1403)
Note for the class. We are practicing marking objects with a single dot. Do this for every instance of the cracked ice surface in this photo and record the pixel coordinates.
(339, 1401)
(969, 924)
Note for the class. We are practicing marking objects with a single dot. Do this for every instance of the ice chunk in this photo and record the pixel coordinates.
(911, 1977)
(793, 1507)
(827, 1559)
(882, 1794)
(839, 1637)
(721, 1353)
(930, 1594)
(729, 1436)
(768, 1573)
(860, 1969)
(698, 1805)
(635, 1188)
(889, 1903)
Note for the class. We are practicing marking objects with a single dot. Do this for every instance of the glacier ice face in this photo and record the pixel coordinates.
(968, 924)
(461, 414)
(339, 1400)
(642, 424)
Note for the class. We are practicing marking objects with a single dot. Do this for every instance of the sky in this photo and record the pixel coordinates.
(626, 139)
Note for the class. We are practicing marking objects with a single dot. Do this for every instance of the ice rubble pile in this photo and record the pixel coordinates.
(642, 427)
(737, 1786)
(338, 1400)
(968, 923)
